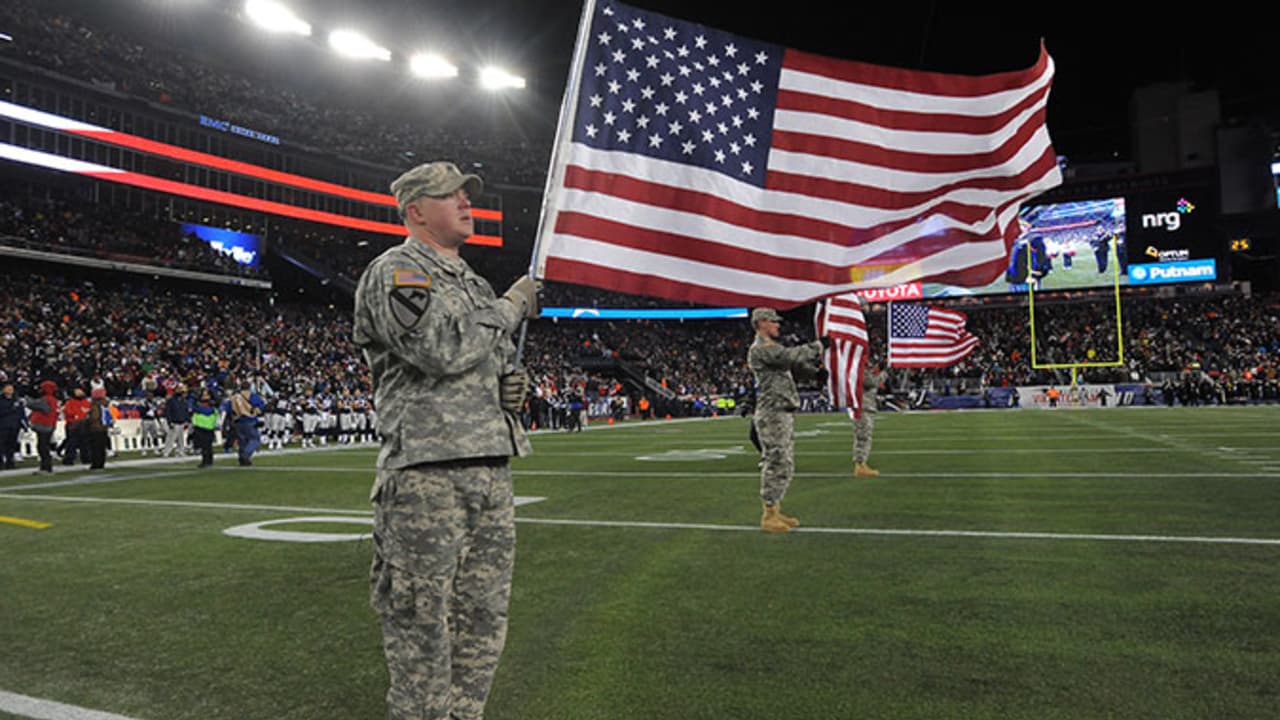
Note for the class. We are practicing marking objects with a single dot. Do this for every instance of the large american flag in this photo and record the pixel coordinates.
(697, 165)
(840, 318)
(924, 336)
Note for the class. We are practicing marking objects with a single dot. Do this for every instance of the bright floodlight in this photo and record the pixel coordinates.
(274, 17)
(495, 78)
(431, 65)
(354, 45)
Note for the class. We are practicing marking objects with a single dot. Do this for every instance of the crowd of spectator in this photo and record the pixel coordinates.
(48, 224)
(88, 330)
(160, 68)
(1225, 338)
(102, 331)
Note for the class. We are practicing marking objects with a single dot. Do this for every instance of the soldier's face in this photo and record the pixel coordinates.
(770, 328)
(447, 220)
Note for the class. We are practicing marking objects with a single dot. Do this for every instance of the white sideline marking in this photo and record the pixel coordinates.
(886, 475)
(918, 533)
(954, 451)
(519, 500)
(96, 479)
(699, 526)
(40, 709)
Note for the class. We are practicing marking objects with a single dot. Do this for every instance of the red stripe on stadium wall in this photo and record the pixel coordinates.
(250, 203)
(194, 157)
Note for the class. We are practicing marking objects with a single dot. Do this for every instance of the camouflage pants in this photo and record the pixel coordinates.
(445, 539)
(862, 429)
(777, 436)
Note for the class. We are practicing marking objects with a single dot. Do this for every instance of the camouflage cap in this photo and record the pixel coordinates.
(765, 313)
(434, 179)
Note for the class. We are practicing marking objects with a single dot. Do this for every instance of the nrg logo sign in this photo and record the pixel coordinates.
(1171, 220)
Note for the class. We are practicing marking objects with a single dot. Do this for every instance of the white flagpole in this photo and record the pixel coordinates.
(564, 136)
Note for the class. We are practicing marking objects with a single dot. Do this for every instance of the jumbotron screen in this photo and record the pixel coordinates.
(1062, 245)
(245, 248)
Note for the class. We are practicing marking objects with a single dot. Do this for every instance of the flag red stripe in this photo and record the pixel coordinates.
(921, 162)
(845, 360)
(682, 199)
(581, 273)
(917, 81)
(946, 340)
(869, 196)
(801, 101)
(693, 249)
(925, 170)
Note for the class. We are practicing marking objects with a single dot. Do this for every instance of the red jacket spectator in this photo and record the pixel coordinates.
(77, 409)
(46, 420)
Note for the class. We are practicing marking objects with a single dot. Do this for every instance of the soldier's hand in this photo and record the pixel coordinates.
(513, 388)
(523, 293)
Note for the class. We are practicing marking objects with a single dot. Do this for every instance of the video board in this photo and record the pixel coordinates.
(245, 248)
(1062, 246)
(1159, 236)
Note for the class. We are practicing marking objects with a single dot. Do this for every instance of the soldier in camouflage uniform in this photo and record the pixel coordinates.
(775, 368)
(439, 345)
(864, 421)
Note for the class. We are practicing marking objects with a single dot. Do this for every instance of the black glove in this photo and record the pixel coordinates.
(513, 388)
(826, 341)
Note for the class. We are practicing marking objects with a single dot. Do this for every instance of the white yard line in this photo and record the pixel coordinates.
(40, 709)
(1196, 539)
(569, 452)
(1266, 471)
(917, 533)
(95, 480)
(519, 500)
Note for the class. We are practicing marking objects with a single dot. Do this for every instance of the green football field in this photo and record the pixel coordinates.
(1040, 564)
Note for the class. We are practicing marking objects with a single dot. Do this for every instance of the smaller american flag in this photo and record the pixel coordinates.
(922, 336)
(841, 319)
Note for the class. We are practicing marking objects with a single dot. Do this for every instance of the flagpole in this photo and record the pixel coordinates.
(888, 334)
(564, 136)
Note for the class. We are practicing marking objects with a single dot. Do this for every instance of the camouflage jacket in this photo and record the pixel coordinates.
(871, 382)
(437, 340)
(773, 366)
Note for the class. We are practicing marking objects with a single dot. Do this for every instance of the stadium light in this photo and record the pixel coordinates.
(495, 78)
(431, 65)
(274, 17)
(354, 45)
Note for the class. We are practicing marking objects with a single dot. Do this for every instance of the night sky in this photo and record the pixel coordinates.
(1102, 50)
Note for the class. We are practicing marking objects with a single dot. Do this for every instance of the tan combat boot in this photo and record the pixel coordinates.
(770, 521)
(864, 470)
(790, 521)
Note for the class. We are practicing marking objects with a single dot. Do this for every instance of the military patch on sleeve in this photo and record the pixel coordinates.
(410, 278)
(408, 304)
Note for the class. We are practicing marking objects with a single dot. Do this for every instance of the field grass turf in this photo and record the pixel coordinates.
(1118, 563)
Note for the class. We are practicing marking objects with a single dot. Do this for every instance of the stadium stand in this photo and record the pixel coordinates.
(144, 332)
(145, 67)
